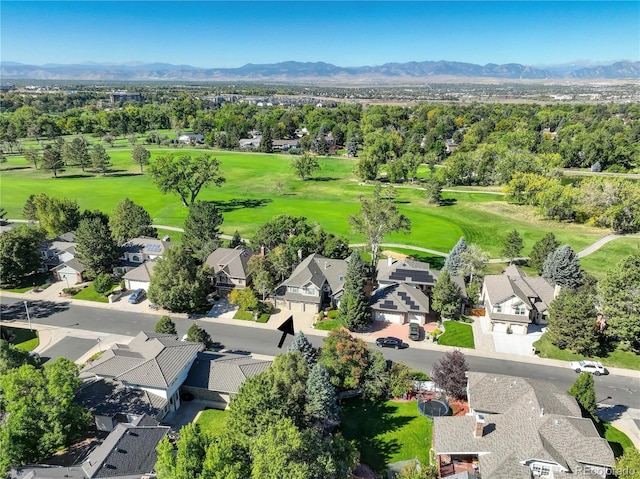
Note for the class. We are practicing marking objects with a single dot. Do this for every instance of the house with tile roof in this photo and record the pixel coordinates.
(151, 362)
(514, 300)
(399, 303)
(230, 268)
(520, 428)
(216, 377)
(317, 282)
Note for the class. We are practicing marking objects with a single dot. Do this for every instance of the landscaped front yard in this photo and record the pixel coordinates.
(23, 338)
(457, 334)
(90, 294)
(386, 432)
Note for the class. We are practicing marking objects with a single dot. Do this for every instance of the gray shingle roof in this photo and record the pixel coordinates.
(108, 398)
(147, 245)
(151, 359)
(74, 264)
(405, 271)
(514, 282)
(223, 373)
(317, 269)
(128, 450)
(532, 420)
(142, 272)
(400, 297)
(232, 261)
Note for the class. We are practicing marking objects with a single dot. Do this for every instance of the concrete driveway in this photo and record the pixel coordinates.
(521, 344)
(70, 347)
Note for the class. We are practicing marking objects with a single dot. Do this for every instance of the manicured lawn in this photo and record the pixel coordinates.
(248, 316)
(457, 334)
(386, 432)
(27, 284)
(90, 294)
(25, 339)
(248, 199)
(599, 262)
(616, 358)
(213, 421)
(328, 324)
(618, 440)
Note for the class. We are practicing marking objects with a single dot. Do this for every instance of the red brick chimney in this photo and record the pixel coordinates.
(478, 431)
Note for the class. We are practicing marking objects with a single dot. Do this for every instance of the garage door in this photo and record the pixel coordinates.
(499, 327)
(389, 317)
(519, 328)
(72, 278)
(416, 318)
(132, 285)
(296, 307)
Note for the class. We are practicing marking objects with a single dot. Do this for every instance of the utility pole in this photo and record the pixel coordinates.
(26, 307)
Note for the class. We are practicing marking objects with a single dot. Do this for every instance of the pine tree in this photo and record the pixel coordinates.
(352, 147)
(512, 246)
(446, 296)
(236, 240)
(584, 391)
(100, 159)
(165, 326)
(266, 142)
(562, 267)
(572, 321)
(541, 251)
(353, 312)
(130, 220)
(321, 408)
(96, 249)
(453, 263)
(302, 344)
(198, 335)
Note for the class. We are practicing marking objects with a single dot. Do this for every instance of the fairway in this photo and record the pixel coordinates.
(260, 186)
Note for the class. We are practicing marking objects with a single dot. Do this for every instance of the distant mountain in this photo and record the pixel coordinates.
(410, 72)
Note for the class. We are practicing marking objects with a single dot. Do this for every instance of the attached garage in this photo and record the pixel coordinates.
(519, 328)
(139, 277)
(416, 318)
(133, 284)
(388, 317)
(71, 271)
(499, 327)
(296, 307)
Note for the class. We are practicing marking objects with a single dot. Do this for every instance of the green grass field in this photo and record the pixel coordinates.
(457, 334)
(90, 294)
(213, 421)
(386, 432)
(619, 441)
(24, 339)
(250, 197)
(599, 262)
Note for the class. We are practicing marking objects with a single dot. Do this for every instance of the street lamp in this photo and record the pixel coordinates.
(26, 307)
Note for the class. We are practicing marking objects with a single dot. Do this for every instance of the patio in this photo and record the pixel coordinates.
(450, 465)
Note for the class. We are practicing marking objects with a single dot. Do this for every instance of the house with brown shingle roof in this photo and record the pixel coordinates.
(520, 428)
(514, 300)
(151, 362)
(229, 266)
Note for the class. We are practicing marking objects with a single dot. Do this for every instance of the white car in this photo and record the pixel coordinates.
(588, 367)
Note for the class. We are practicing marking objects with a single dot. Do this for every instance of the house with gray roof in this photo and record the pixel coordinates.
(520, 428)
(410, 272)
(514, 300)
(317, 282)
(152, 362)
(229, 266)
(217, 377)
(69, 271)
(399, 303)
(144, 248)
(140, 276)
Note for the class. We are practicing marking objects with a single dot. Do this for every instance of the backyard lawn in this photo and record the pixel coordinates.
(386, 432)
(457, 334)
(616, 358)
(213, 421)
(260, 186)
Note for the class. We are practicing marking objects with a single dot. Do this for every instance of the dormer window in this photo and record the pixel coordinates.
(497, 308)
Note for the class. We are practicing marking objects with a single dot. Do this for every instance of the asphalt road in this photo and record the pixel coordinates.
(622, 390)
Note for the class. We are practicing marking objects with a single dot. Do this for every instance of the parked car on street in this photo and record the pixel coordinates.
(137, 296)
(414, 331)
(390, 342)
(588, 367)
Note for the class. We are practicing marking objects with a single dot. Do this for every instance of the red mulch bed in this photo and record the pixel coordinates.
(459, 407)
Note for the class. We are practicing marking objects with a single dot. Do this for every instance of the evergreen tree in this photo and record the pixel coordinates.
(352, 147)
(129, 221)
(541, 251)
(236, 240)
(562, 267)
(202, 229)
(433, 191)
(266, 142)
(166, 326)
(96, 249)
(572, 321)
(353, 312)
(76, 152)
(100, 159)
(302, 344)
(52, 159)
(196, 334)
(512, 246)
(322, 408)
(446, 296)
(453, 263)
(29, 210)
(584, 391)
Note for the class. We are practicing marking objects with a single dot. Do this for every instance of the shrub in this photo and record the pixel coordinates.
(419, 376)
(435, 333)
(332, 314)
(102, 283)
(71, 291)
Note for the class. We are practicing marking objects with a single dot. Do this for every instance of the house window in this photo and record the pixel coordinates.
(541, 470)
(136, 258)
(521, 310)
(497, 308)
(310, 291)
(293, 289)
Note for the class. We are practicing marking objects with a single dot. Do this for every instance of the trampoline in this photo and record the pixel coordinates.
(433, 407)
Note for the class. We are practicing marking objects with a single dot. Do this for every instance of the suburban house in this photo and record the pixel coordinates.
(317, 282)
(450, 145)
(412, 273)
(514, 300)
(399, 303)
(285, 145)
(140, 276)
(250, 143)
(191, 138)
(216, 377)
(58, 256)
(129, 451)
(518, 429)
(155, 363)
(230, 268)
(69, 271)
(138, 250)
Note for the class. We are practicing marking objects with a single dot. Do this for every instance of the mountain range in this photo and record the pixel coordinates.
(291, 71)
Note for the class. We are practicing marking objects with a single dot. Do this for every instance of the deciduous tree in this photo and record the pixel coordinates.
(185, 176)
(32, 156)
(140, 155)
(52, 159)
(305, 165)
(473, 261)
(400, 379)
(76, 152)
(202, 229)
(449, 373)
(19, 253)
(584, 390)
(346, 358)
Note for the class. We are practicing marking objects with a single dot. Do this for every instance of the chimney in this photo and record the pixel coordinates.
(326, 265)
(389, 260)
(479, 427)
(300, 254)
(261, 250)
(541, 411)
(556, 290)
(166, 238)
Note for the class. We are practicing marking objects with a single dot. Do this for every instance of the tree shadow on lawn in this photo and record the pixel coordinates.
(123, 173)
(37, 309)
(323, 178)
(78, 175)
(10, 168)
(237, 204)
(363, 421)
(448, 202)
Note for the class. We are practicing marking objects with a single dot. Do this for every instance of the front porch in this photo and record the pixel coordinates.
(449, 465)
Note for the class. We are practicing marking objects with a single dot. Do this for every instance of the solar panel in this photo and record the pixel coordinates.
(153, 247)
(388, 305)
(407, 299)
(412, 274)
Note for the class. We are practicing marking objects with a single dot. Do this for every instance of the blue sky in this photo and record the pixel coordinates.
(231, 34)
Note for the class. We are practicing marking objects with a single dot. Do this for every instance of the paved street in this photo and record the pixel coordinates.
(263, 339)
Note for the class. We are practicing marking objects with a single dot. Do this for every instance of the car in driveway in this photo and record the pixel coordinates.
(414, 331)
(390, 342)
(593, 367)
(137, 296)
